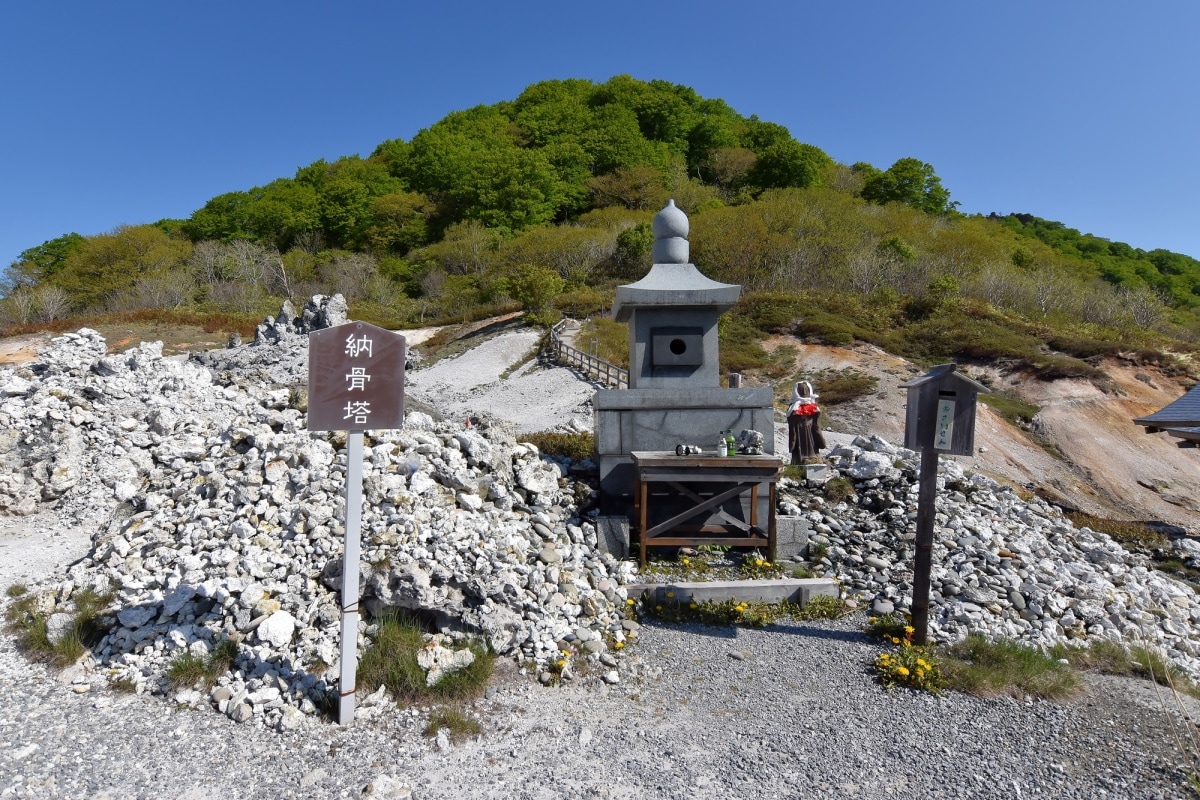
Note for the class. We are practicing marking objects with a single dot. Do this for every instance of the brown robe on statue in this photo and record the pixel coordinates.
(804, 423)
(804, 436)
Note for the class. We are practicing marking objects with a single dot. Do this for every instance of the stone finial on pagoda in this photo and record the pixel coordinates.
(673, 281)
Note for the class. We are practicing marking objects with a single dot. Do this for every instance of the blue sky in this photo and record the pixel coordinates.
(128, 112)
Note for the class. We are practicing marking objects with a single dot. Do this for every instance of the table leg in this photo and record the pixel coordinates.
(643, 497)
(771, 546)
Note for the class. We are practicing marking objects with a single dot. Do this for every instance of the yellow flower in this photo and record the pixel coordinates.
(872, 620)
(895, 640)
(693, 606)
(629, 602)
(902, 671)
(758, 562)
(766, 563)
(686, 562)
(561, 664)
(670, 595)
(619, 645)
(909, 629)
(922, 663)
(658, 608)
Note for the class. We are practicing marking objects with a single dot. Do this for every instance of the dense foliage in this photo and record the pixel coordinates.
(545, 203)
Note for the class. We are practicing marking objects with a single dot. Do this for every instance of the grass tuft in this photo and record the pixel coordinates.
(188, 669)
(31, 626)
(16, 590)
(391, 661)
(575, 446)
(458, 725)
(991, 668)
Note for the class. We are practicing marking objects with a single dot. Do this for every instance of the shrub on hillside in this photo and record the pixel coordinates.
(575, 446)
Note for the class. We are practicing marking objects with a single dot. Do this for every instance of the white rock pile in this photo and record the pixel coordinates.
(1003, 566)
(219, 516)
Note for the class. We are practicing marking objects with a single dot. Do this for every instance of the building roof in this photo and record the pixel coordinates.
(1183, 413)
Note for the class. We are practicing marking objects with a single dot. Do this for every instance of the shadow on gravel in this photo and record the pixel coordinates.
(792, 628)
(815, 632)
(711, 631)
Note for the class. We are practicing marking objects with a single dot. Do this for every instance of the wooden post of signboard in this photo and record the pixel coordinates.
(939, 418)
(355, 383)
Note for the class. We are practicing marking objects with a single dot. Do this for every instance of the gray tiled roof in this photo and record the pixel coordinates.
(1183, 413)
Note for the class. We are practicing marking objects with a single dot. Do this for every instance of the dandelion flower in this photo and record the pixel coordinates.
(670, 595)
(895, 640)
(758, 562)
(910, 629)
(902, 671)
(619, 645)
(561, 663)
(629, 602)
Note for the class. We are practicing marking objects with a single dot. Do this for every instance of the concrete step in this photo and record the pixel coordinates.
(794, 590)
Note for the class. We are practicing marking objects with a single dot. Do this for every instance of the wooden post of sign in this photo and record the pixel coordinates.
(926, 510)
(349, 658)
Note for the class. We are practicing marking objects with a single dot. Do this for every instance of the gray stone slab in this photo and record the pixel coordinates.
(612, 534)
(794, 590)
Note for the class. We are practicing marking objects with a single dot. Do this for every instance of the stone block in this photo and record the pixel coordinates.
(794, 590)
(612, 535)
(791, 537)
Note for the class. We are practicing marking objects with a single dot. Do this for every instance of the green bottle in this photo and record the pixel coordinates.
(730, 443)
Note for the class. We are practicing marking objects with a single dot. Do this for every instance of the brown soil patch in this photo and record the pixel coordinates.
(1107, 463)
(18, 350)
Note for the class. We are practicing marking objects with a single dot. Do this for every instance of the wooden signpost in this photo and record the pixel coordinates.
(939, 418)
(355, 383)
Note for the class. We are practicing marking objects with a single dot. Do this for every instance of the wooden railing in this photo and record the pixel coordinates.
(608, 374)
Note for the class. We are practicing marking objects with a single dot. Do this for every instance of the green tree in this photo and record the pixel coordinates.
(788, 163)
(37, 264)
(911, 182)
(104, 266)
(534, 288)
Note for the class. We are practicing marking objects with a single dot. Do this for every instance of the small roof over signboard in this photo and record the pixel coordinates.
(1183, 413)
(942, 372)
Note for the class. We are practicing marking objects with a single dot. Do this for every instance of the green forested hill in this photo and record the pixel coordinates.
(545, 202)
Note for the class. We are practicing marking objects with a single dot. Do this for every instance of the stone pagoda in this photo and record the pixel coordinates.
(675, 394)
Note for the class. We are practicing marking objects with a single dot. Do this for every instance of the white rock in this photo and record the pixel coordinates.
(277, 629)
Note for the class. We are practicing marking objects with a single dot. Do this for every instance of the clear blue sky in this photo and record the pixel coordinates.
(131, 111)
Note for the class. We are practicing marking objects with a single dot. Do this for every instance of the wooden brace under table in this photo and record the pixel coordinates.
(746, 474)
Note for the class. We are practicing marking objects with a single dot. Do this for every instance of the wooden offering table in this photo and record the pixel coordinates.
(683, 512)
